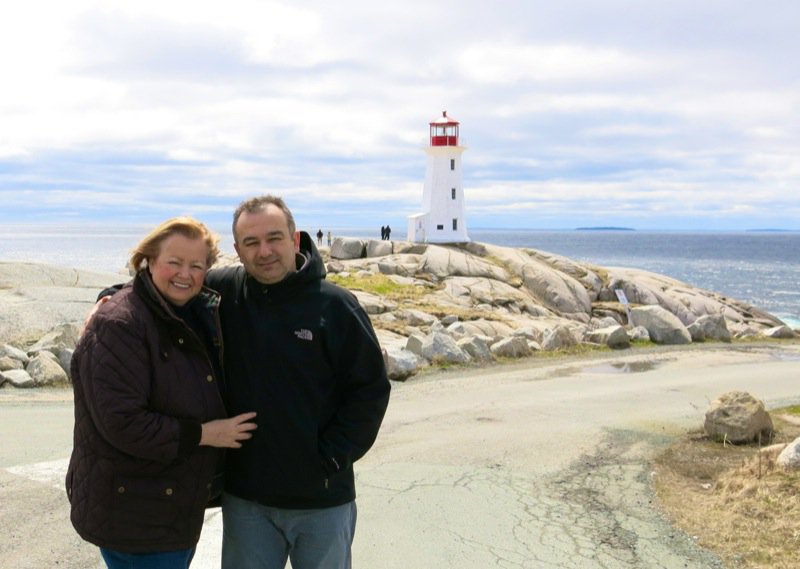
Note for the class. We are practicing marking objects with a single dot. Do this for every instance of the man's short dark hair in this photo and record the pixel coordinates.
(258, 203)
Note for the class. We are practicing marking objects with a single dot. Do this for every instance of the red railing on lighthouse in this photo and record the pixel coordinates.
(444, 131)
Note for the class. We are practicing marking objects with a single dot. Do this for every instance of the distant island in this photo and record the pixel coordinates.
(770, 230)
(609, 228)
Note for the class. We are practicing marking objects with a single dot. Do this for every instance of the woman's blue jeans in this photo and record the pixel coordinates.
(179, 559)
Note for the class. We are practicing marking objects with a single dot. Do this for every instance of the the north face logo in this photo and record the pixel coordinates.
(304, 334)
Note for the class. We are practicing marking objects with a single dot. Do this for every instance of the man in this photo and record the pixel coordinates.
(301, 352)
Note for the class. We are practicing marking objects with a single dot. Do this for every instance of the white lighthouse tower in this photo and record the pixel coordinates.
(442, 218)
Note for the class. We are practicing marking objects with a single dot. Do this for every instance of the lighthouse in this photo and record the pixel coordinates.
(442, 218)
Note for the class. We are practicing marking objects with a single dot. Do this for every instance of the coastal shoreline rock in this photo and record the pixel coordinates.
(454, 304)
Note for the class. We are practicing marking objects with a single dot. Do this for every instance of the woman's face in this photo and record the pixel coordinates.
(180, 267)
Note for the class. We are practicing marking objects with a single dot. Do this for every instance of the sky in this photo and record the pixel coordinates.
(657, 114)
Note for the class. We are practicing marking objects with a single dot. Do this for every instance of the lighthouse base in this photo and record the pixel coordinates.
(422, 230)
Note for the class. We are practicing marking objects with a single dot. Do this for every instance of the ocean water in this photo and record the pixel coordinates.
(761, 268)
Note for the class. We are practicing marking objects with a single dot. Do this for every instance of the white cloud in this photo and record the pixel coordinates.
(503, 64)
(569, 108)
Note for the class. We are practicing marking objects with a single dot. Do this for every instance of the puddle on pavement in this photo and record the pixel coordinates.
(607, 367)
(786, 357)
(623, 367)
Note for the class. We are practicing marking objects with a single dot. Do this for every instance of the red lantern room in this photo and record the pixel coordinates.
(444, 131)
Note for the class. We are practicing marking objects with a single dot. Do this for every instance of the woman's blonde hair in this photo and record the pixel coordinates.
(150, 246)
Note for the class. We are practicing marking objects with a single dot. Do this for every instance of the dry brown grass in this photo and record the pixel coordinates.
(734, 499)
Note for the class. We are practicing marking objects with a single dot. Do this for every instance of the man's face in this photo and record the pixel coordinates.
(264, 244)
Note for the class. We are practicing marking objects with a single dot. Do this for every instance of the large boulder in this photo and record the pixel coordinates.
(513, 347)
(377, 248)
(15, 353)
(476, 347)
(7, 363)
(789, 458)
(401, 363)
(347, 248)
(662, 326)
(439, 347)
(709, 327)
(614, 337)
(46, 371)
(17, 378)
(738, 417)
(559, 338)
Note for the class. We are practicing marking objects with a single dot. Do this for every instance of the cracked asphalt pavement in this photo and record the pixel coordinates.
(538, 464)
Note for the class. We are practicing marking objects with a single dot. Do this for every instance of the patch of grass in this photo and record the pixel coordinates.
(409, 296)
(734, 498)
(576, 350)
(381, 285)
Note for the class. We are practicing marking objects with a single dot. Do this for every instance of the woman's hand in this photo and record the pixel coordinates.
(228, 433)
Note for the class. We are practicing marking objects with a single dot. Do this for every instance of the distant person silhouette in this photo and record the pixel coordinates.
(388, 232)
(319, 237)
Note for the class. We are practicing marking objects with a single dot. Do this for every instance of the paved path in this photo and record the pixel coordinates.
(542, 464)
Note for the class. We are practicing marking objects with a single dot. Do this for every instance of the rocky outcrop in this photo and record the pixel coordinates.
(34, 298)
(458, 304)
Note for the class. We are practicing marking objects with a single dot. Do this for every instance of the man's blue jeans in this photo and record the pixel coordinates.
(162, 560)
(260, 537)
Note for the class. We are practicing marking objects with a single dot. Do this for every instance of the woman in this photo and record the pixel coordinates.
(149, 419)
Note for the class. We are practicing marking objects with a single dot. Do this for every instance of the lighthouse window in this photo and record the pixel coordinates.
(439, 227)
(455, 224)
(453, 193)
(452, 164)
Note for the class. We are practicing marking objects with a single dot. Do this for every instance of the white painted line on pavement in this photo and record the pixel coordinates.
(53, 473)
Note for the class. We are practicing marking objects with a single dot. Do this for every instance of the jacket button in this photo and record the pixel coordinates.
(168, 491)
(180, 340)
(209, 378)
(121, 489)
